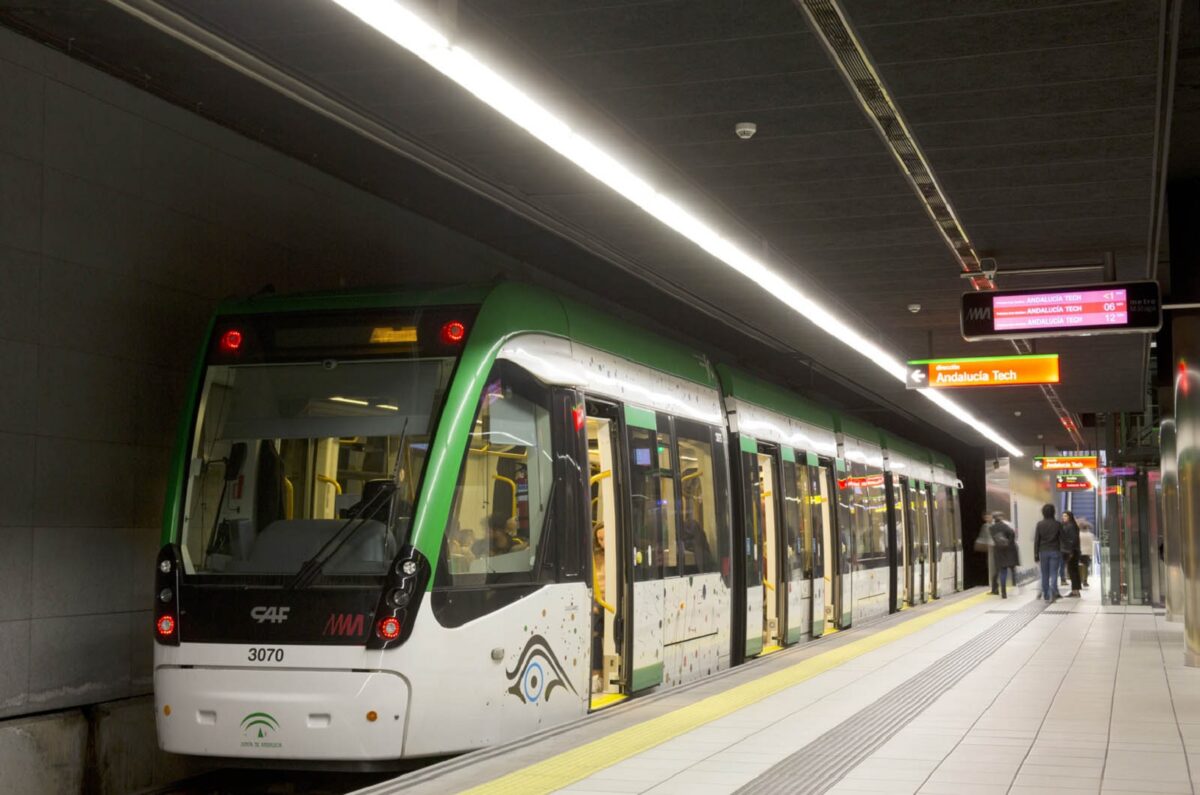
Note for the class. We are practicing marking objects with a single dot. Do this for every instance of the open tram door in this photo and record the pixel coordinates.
(906, 543)
(769, 566)
(830, 557)
(610, 540)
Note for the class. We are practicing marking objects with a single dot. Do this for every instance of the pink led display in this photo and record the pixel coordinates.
(1062, 309)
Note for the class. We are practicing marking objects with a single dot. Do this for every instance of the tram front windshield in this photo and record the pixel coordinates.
(302, 460)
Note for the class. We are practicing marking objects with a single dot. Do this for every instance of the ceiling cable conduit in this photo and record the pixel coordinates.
(832, 27)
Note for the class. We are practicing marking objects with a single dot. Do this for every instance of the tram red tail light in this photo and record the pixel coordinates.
(165, 626)
(453, 332)
(231, 341)
(389, 628)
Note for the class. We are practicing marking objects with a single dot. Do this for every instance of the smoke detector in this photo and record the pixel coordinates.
(745, 129)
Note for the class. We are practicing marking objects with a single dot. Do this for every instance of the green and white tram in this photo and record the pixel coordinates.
(411, 524)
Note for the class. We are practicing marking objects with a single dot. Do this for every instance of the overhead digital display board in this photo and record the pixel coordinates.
(983, 371)
(1109, 308)
(1058, 463)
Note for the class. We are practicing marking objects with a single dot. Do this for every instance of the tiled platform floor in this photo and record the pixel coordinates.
(1083, 699)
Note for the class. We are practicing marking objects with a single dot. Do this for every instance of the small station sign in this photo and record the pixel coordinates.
(983, 371)
(1059, 463)
(1072, 482)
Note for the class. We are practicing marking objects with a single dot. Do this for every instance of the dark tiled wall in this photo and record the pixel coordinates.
(122, 221)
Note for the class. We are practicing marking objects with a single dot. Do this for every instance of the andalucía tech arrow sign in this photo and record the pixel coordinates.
(983, 371)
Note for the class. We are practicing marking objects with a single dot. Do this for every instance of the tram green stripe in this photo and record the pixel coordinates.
(637, 417)
(748, 444)
(787, 453)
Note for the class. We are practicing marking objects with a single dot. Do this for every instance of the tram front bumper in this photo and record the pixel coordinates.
(281, 714)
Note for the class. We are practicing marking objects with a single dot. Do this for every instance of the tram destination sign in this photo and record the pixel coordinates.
(1060, 463)
(983, 371)
(1106, 308)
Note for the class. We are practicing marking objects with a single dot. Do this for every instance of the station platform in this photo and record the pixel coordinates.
(970, 694)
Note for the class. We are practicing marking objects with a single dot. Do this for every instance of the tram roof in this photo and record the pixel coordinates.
(744, 386)
(508, 308)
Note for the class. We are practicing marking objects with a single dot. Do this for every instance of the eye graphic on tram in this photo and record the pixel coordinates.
(537, 673)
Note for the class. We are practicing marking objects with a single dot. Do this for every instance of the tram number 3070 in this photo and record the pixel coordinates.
(261, 654)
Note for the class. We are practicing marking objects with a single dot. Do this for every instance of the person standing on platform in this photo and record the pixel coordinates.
(1047, 551)
(1087, 548)
(984, 543)
(1071, 550)
(1004, 544)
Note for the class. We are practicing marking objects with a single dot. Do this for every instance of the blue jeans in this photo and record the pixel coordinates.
(1050, 562)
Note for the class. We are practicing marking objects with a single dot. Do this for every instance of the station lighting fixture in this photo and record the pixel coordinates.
(415, 34)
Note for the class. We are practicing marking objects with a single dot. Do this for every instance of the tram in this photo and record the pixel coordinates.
(417, 523)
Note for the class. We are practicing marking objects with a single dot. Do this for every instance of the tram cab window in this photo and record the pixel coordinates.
(502, 499)
(285, 455)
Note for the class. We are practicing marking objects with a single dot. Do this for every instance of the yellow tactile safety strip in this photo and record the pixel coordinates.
(568, 767)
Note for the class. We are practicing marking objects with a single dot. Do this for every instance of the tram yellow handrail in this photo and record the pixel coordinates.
(337, 487)
(289, 492)
(599, 476)
(769, 584)
(596, 593)
(486, 450)
(691, 476)
(512, 483)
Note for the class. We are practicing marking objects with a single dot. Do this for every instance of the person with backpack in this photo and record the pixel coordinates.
(1047, 551)
(1004, 545)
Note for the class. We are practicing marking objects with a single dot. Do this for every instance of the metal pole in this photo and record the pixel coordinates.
(1170, 521)
(1185, 331)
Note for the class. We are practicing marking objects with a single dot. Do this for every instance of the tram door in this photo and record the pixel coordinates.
(919, 544)
(903, 541)
(929, 551)
(774, 584)
(608, 680)
(831, 558)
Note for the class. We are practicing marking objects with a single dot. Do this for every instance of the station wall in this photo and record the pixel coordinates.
(123, 220)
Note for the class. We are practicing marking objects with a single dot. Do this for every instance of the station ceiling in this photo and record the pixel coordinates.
(1042, 119)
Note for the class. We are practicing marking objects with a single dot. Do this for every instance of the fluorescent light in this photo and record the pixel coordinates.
(387, 406)
(351, 401)
(425, 41)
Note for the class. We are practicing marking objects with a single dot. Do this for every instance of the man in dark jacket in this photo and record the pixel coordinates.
(1004, 541)
(1047, 551)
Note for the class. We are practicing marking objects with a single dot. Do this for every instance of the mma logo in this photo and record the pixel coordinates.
(346, 625)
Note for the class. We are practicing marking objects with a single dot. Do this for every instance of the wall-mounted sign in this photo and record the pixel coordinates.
(983, 371)
(1109, 308)
(1071, 482)
(1119, 472)
(1056, 463)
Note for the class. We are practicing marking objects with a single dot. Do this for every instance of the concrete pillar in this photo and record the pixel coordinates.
(1185, 331)
(1170, 521)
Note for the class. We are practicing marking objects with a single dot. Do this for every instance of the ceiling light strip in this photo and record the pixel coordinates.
(854, 63)
(425, 41)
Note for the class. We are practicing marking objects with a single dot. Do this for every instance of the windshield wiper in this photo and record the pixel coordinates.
(313, 567)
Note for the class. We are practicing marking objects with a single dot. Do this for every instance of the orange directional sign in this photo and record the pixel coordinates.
(983, 371)
(1058, 463)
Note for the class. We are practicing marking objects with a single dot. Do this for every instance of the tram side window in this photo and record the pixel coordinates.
(700, 531)
(874, 542)
(504, 486)
(649, 522)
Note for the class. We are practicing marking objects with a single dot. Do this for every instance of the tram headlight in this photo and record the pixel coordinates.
(166, 595)
(164, 566)
(408, 567)
(399, 597)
